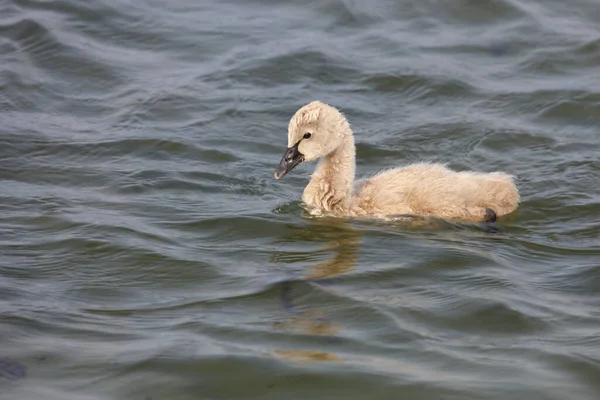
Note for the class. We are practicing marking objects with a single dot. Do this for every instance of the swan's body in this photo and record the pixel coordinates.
(318, 130)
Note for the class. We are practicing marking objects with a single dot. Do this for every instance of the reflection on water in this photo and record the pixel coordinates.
(307, 355)
(341, 242)
(345, 247)
(312, 321)
(340, 245)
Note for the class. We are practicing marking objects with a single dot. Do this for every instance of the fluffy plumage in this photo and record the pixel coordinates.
(320, 131)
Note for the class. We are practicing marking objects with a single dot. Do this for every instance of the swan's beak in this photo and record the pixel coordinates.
(291, 158)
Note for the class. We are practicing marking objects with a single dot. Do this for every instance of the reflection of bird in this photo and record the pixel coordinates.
(286, 297)
(339, 239)
(346, 255)
(319, 131)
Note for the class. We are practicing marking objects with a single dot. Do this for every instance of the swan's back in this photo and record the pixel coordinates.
(433, 189)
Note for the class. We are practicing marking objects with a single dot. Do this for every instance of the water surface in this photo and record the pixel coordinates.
(146, 252)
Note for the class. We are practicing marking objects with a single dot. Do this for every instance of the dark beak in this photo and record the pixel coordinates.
(291, 158)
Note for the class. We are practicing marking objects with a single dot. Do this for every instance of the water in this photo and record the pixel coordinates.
(146, 251)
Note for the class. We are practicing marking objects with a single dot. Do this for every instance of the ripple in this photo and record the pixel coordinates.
(494, 12)
(419, 87)
(51, 55)
(320, 65)
(147, 251)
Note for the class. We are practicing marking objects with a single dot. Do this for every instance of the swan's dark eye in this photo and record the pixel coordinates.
(307, 135)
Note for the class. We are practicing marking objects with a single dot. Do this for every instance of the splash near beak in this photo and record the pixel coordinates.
(291, 158)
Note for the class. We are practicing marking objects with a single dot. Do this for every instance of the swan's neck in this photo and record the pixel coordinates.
(330, 188)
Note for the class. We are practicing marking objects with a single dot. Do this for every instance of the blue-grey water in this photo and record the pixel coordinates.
(146, 251)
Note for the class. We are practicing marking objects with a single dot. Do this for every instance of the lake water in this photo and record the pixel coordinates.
(147, 252)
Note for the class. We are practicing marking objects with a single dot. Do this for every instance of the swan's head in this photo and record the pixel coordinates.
(316, 130)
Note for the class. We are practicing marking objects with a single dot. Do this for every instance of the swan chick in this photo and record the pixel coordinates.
(318, 131)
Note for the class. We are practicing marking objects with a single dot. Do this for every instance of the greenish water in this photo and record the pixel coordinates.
(146, 251)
